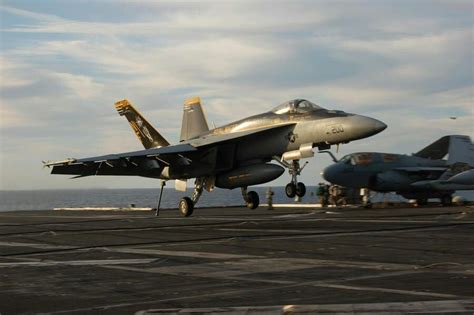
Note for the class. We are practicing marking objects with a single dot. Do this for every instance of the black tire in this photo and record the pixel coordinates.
(446, 200)
(290, 190)
(252, 200)
(186, 206)
(422, 201)
(300, 190)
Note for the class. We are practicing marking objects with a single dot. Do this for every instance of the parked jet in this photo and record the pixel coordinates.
(421, 176)
(231, 156)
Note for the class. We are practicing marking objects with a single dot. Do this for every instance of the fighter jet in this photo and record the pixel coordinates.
(236, 155)
(420, 176)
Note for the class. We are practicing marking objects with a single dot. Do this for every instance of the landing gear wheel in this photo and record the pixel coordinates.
(186, 206)
(446, 200)
(290, 190)
(422, 201)
(252, 200)
(300, 189)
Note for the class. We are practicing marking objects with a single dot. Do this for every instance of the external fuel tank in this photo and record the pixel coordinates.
(249, 175)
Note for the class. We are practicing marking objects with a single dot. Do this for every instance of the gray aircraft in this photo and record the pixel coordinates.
(420, 176)
(232, 156)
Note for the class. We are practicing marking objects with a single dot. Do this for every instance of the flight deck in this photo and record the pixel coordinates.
(241, 261)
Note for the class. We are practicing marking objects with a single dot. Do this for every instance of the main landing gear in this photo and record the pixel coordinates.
(186, 204)
(422, 201)
(251, 198)
(446, 200)
(295, 188)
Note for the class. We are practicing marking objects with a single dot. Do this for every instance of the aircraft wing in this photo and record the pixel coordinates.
(149, 162)
(420, 169)
(157, 152)
(143, 162)
(216, 139)
(442, 185)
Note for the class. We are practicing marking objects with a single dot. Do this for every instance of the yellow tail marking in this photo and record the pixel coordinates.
(192, 101)
(122, 104)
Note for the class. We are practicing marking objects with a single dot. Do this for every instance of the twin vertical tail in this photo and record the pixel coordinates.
(461, 150)
(146, 133)
(194, 120)
(457, 148)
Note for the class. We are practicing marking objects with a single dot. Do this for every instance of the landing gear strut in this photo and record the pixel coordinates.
(251, 198)
(446, 200)
(422, 201)
(186, 204)
(295, 188)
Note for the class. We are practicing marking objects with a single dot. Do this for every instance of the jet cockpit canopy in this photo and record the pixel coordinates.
(296, 106)
(358, 158)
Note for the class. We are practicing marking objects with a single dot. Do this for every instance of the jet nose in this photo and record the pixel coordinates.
(379, 126)
(330, 172)
(363, 126)
(327, 174)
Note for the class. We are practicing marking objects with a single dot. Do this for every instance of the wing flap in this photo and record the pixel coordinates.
(175, 149)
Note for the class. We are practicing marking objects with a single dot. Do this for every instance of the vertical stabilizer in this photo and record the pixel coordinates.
(194, 120)
(461, 150)
(146, 133)
(458, 148)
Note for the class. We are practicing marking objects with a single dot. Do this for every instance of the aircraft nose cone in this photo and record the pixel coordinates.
(330, 172)
(379, 126)
(363, 126)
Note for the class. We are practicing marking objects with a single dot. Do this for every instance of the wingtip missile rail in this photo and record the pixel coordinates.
(67, 161)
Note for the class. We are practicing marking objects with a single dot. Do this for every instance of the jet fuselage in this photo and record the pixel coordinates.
(381, 171)
(297, 124)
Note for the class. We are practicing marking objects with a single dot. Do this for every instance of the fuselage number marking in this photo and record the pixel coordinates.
(334, 129)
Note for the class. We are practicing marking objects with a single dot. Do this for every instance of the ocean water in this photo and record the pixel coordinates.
(49, 199)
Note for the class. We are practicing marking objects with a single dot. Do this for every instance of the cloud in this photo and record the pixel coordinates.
(9, 69)
(413, 46)
(179, 18)
(9, 117)
(80, 85)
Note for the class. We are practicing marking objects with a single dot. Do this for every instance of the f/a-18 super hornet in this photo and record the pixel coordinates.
(420, 176)
(236, 155)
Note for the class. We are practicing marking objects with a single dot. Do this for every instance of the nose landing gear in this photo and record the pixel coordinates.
(295, 188)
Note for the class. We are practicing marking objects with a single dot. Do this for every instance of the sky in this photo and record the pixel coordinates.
(63, 64)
